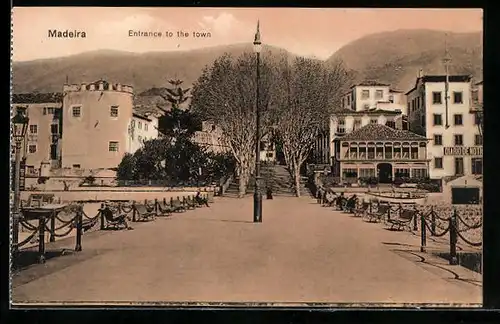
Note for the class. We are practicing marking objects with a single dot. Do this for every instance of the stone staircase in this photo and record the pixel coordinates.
(277, 178)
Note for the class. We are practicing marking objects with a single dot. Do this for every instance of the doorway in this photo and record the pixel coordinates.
(384, 172)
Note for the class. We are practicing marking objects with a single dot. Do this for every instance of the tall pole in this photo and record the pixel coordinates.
(257, 196)
(17, 198)
(446, 61)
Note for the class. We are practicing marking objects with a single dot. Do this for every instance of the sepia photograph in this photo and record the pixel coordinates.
(246, 157)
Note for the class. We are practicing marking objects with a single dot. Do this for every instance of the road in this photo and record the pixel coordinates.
(300, 253)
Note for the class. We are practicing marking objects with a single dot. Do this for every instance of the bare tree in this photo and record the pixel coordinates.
(225, 94)
(308, 93)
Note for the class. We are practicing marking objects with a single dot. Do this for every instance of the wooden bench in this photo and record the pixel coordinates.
(379, 214)
(164, 209)
(201, 201)
(144, 214)
(362, 209)
(189, 203)
(403, 220)
(177, 206)
(113, 221)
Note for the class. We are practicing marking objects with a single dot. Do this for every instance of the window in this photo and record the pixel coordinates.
(408, 108)
(373, 121)
(76, 111)
(33, 129)
(379, 94)
(53, 151)
(477, 119)
(365, 94)
(146, 126)
(350, 173)
(139, 125)
(417, 100)
(357, 123)
(30, 169)
(459, 166)
(45, 110)
(113, 111)
(54, 129)
(458, 119)
(139, 138)
(475, 95)
(438, 163)
(341, 126)
(76, 166)
(458, 97)
(438, 139)
(437, 98)
(32, 148)
(478, 140)
(459, 140)
(477, 165)
(132, 123)
(401, 173)
(391, 124)
(366, 173)
(419, 173)
(348, 100)
(391, 99)
(113, 146)
(269, 154)
(438, 119)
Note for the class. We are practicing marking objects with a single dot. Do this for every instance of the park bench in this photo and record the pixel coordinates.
(349, 205)
(113, 221)
(403, 220)
(144, 214)
(201, 201)
(164, 209)
(330, 200)
(362, 209)
(177, 205)
(379, 214)
(189, 203)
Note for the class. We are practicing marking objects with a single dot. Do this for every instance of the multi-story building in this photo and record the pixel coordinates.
(85, 127)
(210, 137)
(142, 127)
(439, 108)
(376, 150)
(43, 139)
(373, 95)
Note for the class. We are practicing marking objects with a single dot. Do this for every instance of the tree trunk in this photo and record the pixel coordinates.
(242, 185)
(296, 177)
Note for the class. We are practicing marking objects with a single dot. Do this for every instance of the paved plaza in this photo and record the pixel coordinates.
(300, 253)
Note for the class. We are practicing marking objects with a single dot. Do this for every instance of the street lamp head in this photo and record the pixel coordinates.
(19, 126)
(257, 44)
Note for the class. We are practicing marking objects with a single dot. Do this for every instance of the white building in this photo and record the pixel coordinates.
(211, 138)
(441, 111)
(374, 95)
(142, 127)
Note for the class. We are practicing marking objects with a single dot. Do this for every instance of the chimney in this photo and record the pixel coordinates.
(84, 87)
(101, 86)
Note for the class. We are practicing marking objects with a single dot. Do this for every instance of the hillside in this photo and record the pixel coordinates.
(395, 57)
(143, 71)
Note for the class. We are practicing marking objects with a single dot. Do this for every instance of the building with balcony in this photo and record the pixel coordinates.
(380, 151)
(442, 110)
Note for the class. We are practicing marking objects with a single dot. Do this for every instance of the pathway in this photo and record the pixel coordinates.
(300, 253)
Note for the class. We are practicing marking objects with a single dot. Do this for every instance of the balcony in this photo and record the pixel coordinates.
(380, 156)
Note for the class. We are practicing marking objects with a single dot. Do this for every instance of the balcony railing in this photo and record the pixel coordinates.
(381, 156)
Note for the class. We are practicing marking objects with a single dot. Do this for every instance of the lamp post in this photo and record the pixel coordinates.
(19, 127)
(257, 198)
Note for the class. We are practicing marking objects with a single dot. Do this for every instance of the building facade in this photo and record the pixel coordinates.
(374, 95)
(211, 138)
(440, 108)
(85, 127)
(42, 144)
(380, 151)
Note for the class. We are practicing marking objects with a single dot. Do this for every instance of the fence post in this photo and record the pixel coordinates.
(102, 216)
(171, 201)
(133, 212)
(164, 201)
(453, 239)
(400, 209)
(79, 220)
(415, 221)
(370, 207)
(52, 227)
(389, 213)
(41, 238)
(156, 206)
(423, 234)
(433, 221)
(145, 202)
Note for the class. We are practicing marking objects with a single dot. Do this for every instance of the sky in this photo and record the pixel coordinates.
(307, 32)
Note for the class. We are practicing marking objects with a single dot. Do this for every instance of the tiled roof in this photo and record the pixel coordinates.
(366, 112)
(441, 78)
(27, 98)
(377, 132)
(370, 83)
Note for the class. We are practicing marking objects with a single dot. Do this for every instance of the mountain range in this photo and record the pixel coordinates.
(394, 57)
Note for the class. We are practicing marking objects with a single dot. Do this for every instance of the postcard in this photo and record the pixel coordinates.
(241, 157)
